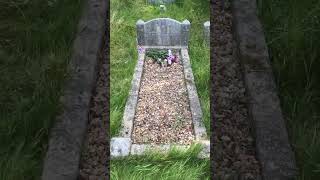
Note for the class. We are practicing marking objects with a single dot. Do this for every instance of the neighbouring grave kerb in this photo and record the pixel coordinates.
(67, 135)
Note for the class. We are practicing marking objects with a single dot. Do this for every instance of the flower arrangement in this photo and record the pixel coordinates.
(163, 57)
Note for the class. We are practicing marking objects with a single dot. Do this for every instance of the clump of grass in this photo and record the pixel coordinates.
(35, 42)
(176, 165)
(123, 49)
(292, 31)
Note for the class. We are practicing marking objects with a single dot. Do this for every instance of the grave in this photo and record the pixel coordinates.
(163, 109)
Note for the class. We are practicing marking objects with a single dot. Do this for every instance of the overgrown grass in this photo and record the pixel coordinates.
(35, 41)
(173, 166)
(292, 30)
(123, 49)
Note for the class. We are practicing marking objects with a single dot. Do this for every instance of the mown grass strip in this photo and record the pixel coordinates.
(176, 165)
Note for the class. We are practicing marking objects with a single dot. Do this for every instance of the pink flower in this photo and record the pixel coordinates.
(171, 57)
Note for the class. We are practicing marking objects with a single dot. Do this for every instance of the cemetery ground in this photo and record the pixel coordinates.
(123, 55)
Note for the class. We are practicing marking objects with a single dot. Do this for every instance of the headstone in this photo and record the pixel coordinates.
(206, 31)
(163, 32)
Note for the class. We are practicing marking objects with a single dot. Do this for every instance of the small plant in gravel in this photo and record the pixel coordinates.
(163, 57)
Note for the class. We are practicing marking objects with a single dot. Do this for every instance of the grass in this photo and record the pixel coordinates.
(173, 166)
(292, 30)
(123, 49)
(35, 42)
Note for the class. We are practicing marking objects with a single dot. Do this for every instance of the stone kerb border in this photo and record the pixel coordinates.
(272, 145)
(122, 146)
(67, 135)
(163, 32)
(130, 108)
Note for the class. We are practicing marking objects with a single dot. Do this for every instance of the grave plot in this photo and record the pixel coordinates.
(163, 109)
(163, 112)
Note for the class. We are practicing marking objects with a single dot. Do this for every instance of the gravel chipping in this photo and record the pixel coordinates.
(233, 145)
(163, 114)
(94, 158)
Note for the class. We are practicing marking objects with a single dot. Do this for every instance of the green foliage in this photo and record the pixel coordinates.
(176, 165)
(292, 32)
(35, 42)
(157, 54)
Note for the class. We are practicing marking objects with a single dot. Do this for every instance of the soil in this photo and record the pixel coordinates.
(163, 114)
(95, 156)
(232, 142)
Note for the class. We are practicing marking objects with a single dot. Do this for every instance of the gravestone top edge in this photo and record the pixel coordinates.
(163, 32)
(140, 21)
(161, 19)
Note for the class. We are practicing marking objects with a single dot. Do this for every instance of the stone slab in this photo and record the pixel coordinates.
(141, 149)
(205, 152)
(272, 144)
(67, 135)
(199, 128)
(120, 147)
(131, 104)
(249, 34)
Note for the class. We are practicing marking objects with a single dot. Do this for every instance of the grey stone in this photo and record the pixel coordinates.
(272, 144)
(249, 35)
(67, 135)
(163, 32)
(199, 128)
(205, 152)
(120, 147)
(161, 1)
(206, 31)
(130, 108)
(140, 149)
